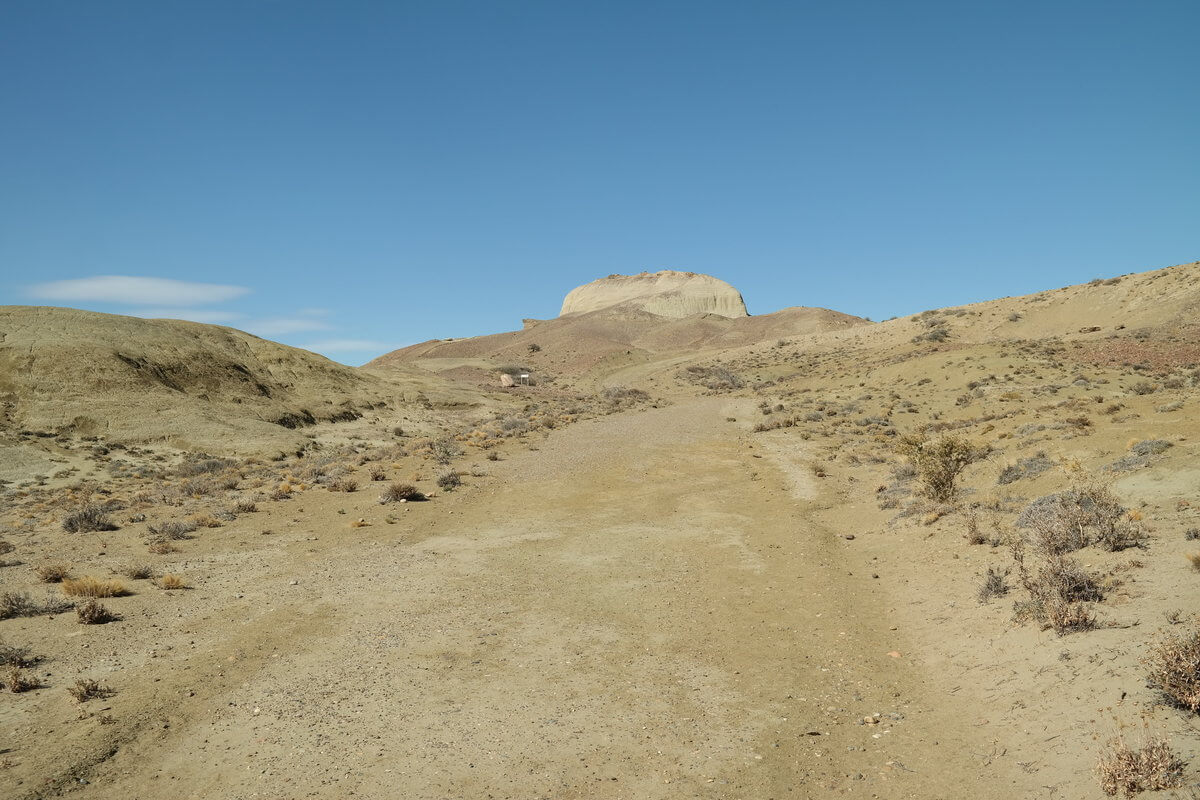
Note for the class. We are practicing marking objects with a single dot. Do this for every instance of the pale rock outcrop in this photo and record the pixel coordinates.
(667, 293)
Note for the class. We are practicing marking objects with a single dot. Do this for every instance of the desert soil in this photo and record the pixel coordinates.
(648, 605)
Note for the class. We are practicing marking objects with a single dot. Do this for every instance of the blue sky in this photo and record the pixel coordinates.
(353, 176)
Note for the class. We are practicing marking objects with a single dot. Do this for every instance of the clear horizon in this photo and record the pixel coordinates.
(354, 177)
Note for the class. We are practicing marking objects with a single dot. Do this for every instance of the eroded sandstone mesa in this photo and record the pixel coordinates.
(668, 293)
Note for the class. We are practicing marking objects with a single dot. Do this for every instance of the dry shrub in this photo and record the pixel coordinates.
(205, 521)
(87, 689)
(1123, 770)
(162, 547)
(93, 613)
(939, 462)
(17, 604)
(449, 480)
(1059, 589)
(93, 587)
(973, 534)
(343, 485)
(173, 529)
(88, 518)
(245, 506)
(14, 656)
(396, 492)
(52, 573)
(378, 474)
(1174, 662)
(1195, 559)
(17, 681)
(1084, 515)
(170, 581)
(138, 572)
(994, 585)
(444, 450)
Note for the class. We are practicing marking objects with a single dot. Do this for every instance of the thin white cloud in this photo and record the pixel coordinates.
(348, 346)
(136, 290)
(281, 325)
(211, 316)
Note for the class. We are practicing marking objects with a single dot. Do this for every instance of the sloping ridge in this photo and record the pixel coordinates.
(126, 377)
(581, 342)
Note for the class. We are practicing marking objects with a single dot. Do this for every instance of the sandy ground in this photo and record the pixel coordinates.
(643, 607)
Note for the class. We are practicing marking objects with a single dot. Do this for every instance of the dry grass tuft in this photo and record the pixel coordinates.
(86, 689)
(52, 573)
(93, 613)
(170, 581)
(162, 547)
(93, 587)
(1123, 770)
(1195, 559)
(1174, 662)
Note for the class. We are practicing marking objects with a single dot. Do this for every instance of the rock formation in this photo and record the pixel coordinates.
(668, 294)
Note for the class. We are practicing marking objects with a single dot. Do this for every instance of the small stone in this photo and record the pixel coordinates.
(848, 536)
(293, 582)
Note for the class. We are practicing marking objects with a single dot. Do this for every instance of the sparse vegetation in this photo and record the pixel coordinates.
(20, 604)
(93, 587)
(92, 612)
(170, 581)
(1174, 662)
(52, 573)
(449, 480)
(14, 656)
(1151, 767)
(994, 585)
(396, 492)
(86, 689)
(138, 571)
(16, 680)
(87, 519)
(938, 462)
(245, 506)
(175, 530)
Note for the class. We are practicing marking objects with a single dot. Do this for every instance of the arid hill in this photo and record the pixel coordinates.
(184, 383)
(621, 331)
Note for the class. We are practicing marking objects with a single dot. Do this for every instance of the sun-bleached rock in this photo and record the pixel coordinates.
(668, 293)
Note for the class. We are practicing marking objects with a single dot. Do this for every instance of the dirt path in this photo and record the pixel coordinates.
(638, 609)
